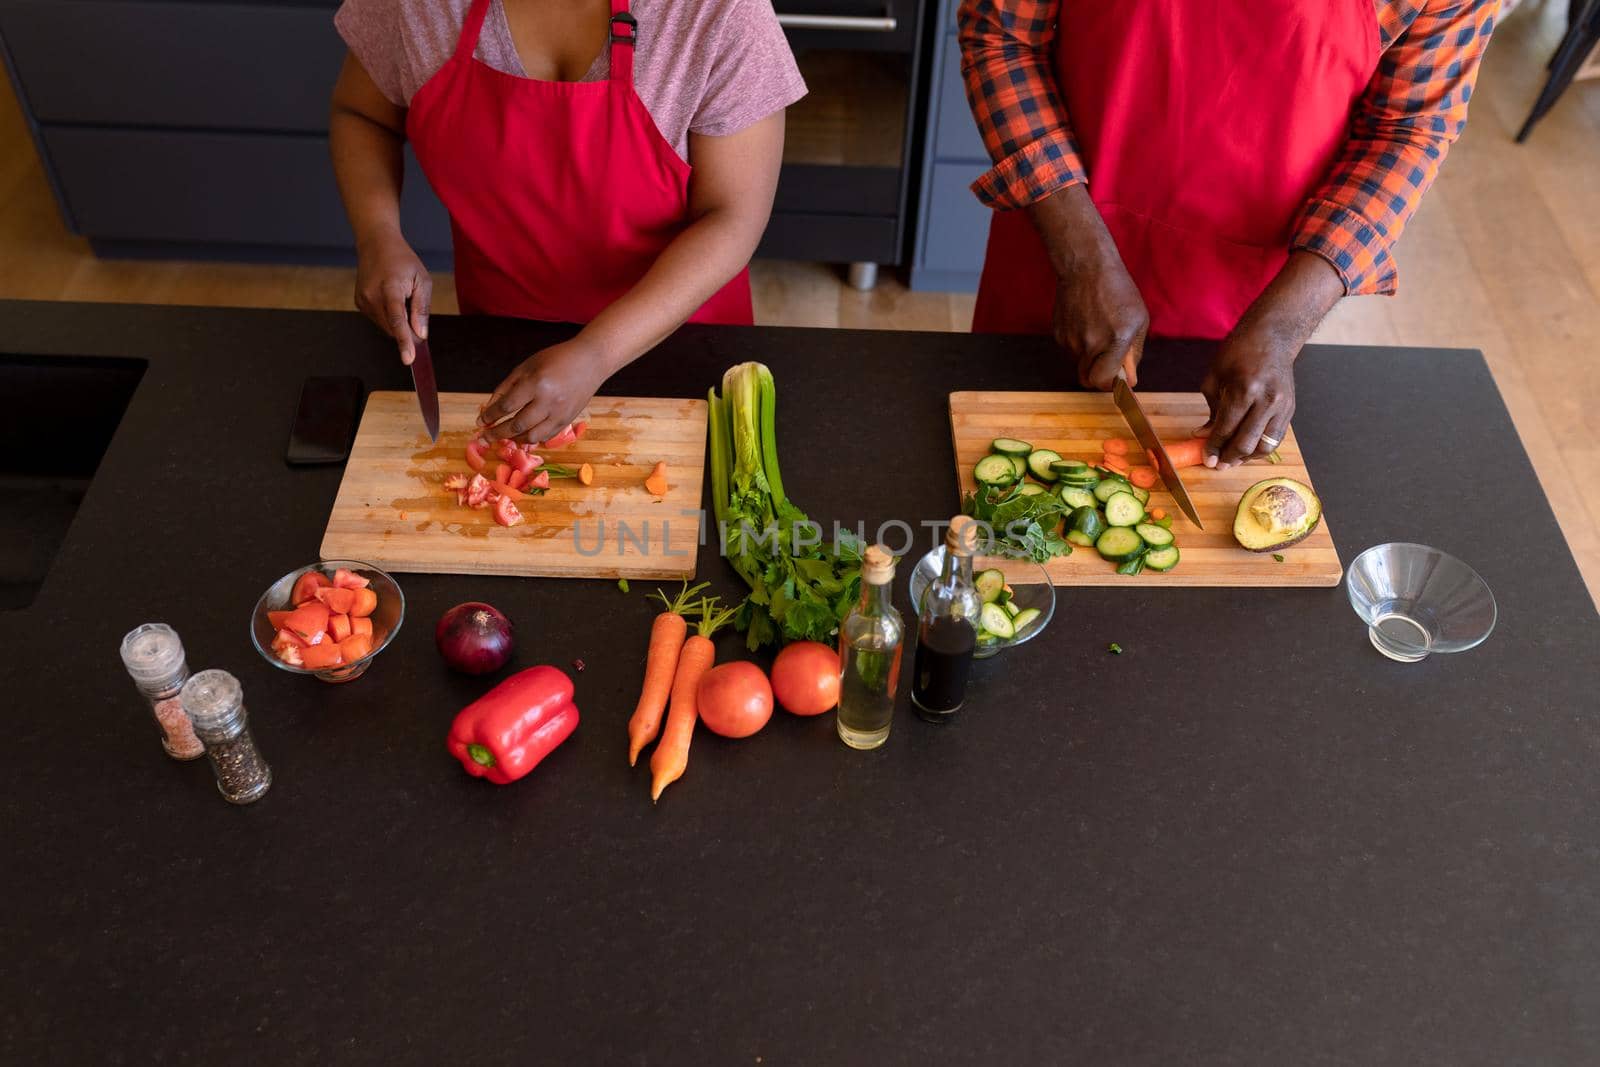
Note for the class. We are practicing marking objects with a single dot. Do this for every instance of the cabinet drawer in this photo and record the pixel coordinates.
(957, 134)
(957, 225)
(213, 65)
(212, 188)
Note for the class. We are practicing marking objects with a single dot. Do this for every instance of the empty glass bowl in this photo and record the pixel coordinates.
(1030, 588)
(1416, 600)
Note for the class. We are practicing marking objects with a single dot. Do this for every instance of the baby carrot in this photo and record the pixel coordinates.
(666, 641)
(1190, 452)
(671, 757)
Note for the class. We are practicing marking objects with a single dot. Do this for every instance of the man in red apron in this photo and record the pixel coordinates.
(567, 201)
(1216, 169)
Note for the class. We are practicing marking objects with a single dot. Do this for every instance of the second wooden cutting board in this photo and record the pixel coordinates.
(393, 510)
(1074, 424)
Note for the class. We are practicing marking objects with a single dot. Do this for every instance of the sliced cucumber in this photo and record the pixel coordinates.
(1132, 566)
(1010, 446)
(990, 584)
(1011, 609)
(1039, 461)
(1032, 489)
(995, 470)
(1109, 488)
(1153, 535)
(1119, 543)
(1079, 538)
(1143, 495)
(1078, 498)
(995, 621)
(1088, 521)
(1023, 619)
(1020, 465)
(1124, 509)
(1162, 559)
(1070, 467)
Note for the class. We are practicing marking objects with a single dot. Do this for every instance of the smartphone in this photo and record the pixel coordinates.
(325, 422)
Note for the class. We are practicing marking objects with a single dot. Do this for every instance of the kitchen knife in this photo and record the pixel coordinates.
(427, 389)
(1133, 414)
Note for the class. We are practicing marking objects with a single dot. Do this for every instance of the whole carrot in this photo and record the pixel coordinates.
(666, 641)
(671, 757)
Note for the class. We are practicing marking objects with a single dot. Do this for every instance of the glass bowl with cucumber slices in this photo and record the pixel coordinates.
(1018, 597)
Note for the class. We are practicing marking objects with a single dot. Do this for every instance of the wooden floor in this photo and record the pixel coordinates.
(1504, 256)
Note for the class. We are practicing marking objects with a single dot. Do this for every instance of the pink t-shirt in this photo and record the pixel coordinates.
(711, 66)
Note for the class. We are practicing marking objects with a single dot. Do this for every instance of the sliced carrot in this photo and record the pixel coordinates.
(657, 482)
(586, 474)
(1190, 452)
(366, 603)
(667, 634)
(1158, 513)
(339, 627)
(1114, 446)
(321, 657)
(1115, 463)
(361, 626)
(1143, 477)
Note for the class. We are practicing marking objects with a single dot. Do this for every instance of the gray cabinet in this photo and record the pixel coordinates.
(952, 226)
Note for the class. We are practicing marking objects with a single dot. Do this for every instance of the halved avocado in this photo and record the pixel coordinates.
(1275, 514)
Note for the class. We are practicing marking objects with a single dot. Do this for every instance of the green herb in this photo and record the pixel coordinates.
(1023, 525)
(1278, 556)
(798, 591)
(622, 584)
(1165, 522)
(1114, 648)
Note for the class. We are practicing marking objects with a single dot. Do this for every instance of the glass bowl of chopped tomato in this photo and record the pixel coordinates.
(329, 620)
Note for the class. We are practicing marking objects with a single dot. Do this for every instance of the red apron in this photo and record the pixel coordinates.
(1205, 127)
(561, 194)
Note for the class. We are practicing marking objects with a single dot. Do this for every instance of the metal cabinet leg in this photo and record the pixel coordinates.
(863, 276)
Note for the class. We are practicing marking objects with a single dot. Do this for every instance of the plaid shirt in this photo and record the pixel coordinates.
(1414, 109)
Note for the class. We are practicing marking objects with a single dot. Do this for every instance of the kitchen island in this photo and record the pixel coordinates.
(1247, 839)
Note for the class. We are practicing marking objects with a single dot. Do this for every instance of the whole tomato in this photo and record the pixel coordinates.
(805, 678)
(734, 700)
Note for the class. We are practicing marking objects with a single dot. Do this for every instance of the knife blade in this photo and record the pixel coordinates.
(427, 388)
(1133, 414)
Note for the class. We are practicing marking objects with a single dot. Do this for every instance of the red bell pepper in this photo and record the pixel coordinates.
(504, 734)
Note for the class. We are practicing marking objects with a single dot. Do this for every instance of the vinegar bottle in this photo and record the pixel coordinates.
(947, 628)
(869, 652)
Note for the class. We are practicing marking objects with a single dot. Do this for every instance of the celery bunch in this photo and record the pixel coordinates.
(797, 594)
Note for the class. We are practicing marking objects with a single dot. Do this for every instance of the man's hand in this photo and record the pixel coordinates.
(1251, 384)
(394, 289)
(546, 392)
(1100, 318)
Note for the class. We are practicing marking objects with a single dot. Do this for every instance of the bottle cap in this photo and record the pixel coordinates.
(211, 699)
(963, 536)
(877, 566)
(152, 653)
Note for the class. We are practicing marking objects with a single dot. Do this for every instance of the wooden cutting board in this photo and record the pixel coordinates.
(1074, 424)
(393, 511)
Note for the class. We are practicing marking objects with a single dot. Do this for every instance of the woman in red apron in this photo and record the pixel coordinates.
(567, 200)
(1208, 133)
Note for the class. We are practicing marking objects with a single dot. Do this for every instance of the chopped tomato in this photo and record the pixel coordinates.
(338, 600)
(361, 626)
(502, 473)
(287, 639)
(525, 463)
(486, 502)
(354, 647)
(339, 627)
(506, 513)
(540, 480)
(475, 458)
(366, 602)
(517, 480)
(306, 586)
(290, 654)
(320, 657)
(508, 450)
(478, 490)
(345, 579)
(454, 482)
(564, 437)
(308, 621)
(278, 619)
(579, 428)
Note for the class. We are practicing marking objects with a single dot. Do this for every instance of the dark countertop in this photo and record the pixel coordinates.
(1249, 839)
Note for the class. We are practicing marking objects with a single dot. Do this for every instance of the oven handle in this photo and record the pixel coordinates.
(857, 23)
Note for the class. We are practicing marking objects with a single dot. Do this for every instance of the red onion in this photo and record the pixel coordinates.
(474, 638)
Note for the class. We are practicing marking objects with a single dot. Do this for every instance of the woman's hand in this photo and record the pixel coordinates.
(545, 393)
(1100, 318)
(394, 289)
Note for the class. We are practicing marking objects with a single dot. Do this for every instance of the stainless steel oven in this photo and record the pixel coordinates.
(842, 195)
